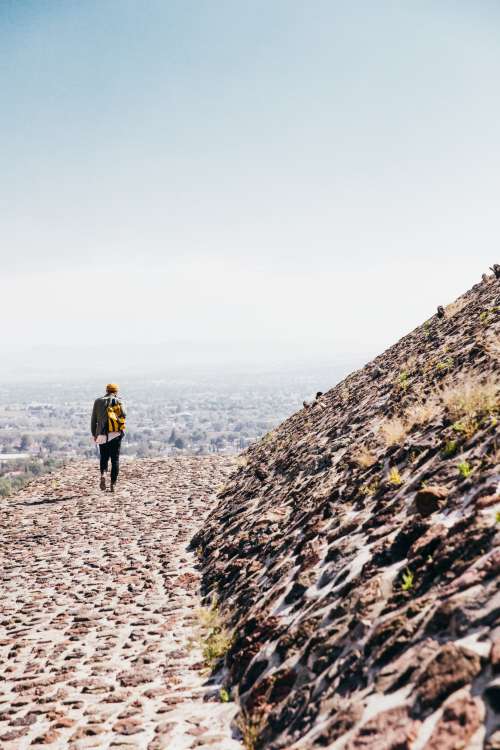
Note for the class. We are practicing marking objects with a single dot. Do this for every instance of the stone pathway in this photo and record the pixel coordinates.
(98, 599)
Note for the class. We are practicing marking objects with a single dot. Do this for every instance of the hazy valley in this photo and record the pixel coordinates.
(44, 424)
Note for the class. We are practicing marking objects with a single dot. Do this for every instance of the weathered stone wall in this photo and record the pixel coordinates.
(355, 552)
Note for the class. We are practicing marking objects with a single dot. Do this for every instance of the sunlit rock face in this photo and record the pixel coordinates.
(356, 552)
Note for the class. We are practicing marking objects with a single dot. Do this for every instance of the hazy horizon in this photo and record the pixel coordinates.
(229, 184)
(325, 374)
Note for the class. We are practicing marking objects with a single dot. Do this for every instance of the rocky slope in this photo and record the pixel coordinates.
(355, 552)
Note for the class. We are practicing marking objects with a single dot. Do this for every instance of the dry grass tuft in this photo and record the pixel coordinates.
(454, 307)
(422, 412)
(466, 400)
(363, 457)
(392, 431)
(251, 729)
(344, 394)
(471, 396)
(411, 363)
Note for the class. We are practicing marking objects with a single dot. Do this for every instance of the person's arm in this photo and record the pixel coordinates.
(122, 407)
(93, 420)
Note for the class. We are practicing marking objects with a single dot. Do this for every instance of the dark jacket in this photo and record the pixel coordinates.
(99, 419)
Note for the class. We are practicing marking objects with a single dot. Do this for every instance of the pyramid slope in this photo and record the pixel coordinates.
(355, 552)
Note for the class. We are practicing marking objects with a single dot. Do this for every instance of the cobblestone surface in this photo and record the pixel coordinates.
(98, 601)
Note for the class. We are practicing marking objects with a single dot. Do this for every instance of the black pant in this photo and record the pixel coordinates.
(111, 451)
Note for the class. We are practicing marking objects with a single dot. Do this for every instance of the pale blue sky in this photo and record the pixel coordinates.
(268, 179)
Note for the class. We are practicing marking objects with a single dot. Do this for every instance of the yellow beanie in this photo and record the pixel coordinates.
(111, 388)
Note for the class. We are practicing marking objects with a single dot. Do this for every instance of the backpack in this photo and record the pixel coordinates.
(115, 415)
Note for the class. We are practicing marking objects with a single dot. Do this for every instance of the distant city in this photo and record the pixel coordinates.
(43, 425)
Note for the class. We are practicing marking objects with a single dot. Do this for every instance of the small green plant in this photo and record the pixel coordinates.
(394, 477)
(497, 516)
(464, 469)
(468, 426)
(449, 449)
(212, 637)
(404, 380)
(224, 695)
(370, 488)
(426, 329)
(445, 364)
(408, 580)
(486, 315)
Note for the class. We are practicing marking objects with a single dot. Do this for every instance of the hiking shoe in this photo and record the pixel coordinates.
(102, 484)
(112, 488)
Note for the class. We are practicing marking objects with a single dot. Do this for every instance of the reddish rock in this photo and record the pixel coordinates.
(400, 670)
(89, 730)
(96, 687)
(451, 668)
(63, 723)
(165, 727)
(156, 692)
(116, 697)
(485, 568)
(160, 743)
(53, 715)
(430, 499)
(283, 682)
(127, 727)
(389, 730)
(427, 543)
(211, 740)
(137, 677)
(486, 501)
(24, 721)
(344, 717)
(47, 739)
(462, 716)
(187, 580)
(129, 712)
(197, 731)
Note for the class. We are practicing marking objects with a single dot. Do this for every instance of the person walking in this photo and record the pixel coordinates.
(107, 426)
